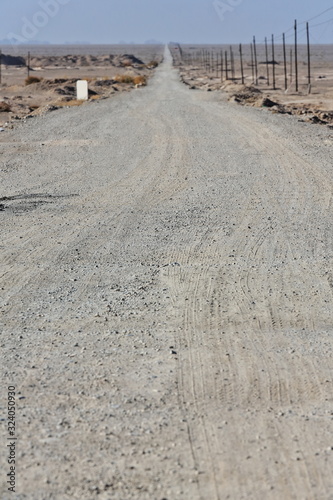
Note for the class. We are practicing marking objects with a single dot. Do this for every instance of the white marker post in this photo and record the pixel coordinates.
(82, 90)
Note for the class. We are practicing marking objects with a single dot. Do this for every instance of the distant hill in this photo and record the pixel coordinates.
(6, 41)
(153, 42)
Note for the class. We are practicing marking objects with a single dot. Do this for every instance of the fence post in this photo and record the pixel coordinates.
(226, 65)
(221, 57)
(267, 66)
(309, 58)
(296, 68)
(273, 63)
(252, 63)
(241, 62)
(285, 62)
(28, 64)
(255, 60)
(232, 64)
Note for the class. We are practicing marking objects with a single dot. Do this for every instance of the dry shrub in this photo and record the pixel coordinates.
(32, 79)
(4, 107)
(134, 80)
(124, 79)
(140, 80)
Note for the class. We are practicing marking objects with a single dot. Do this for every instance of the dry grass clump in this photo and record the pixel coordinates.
(32, 79)
(88, 78)
(134, 80)
(140, 80)
(124, 79)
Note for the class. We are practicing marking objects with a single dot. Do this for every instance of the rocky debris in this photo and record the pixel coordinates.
(58, 92)
(8, 60)
(4, 107)
(251, 96)
(127, 60)
(66, 90)
(247, 95)
(70, 61)
(267, 103)
(105, 83)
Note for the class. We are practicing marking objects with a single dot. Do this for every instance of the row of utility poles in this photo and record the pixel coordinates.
(224, 61)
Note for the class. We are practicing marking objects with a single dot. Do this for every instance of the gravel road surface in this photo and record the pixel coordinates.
(166, 300)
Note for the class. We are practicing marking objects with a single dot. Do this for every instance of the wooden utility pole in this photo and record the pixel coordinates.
(285, 63)
(309, 58)
(291, 65)
(252, 64)
(255, 60)
(221, 57)
(273, 62)
(232, 63)
(226, 65)
(241, 62)
(0, 66)
(267, 66)
(296, 68)
(28, 64)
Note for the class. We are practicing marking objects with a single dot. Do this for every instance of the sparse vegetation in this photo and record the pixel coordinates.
(140, 80)
(32, 79)
(134, 80)
(124, 79)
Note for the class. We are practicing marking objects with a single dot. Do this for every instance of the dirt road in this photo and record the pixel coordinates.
(166, 300)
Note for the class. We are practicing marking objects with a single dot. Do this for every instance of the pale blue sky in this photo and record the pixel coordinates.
(193, 21)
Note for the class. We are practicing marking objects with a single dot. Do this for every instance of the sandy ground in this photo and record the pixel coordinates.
(314, 106)
(166, 300)
(59, 67)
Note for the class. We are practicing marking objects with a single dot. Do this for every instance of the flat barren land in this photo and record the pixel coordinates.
(209, 67)
(46, 80)
(166, 300)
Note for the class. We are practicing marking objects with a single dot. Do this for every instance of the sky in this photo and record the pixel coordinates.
(183, 21)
